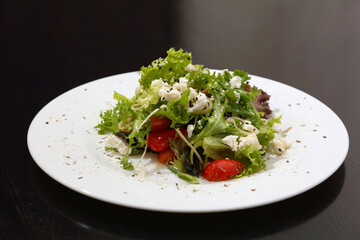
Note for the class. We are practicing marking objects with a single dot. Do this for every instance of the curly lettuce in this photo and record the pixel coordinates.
(209, 126)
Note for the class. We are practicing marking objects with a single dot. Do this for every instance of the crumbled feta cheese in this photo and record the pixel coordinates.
(190, 129)
(235, 82)
(249, 127)
(191, 68)
(159, 82)
(183, 84)
(118, 143)
(193, 93)
(199, 124)
(250, 140)
(201, 103)
(168, 94)
(247, 122)
(278, 146)
(165, 91)
(231, 141)
(176, 86)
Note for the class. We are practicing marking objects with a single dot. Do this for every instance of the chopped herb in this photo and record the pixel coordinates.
(184, 176)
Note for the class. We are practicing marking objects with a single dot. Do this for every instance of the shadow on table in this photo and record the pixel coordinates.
(108, 221)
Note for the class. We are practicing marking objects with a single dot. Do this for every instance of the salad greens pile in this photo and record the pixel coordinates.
(216, 105)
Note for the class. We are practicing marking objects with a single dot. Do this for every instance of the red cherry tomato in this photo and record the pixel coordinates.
(158, 124)
(166, 156)
(159, 141)
(222, 169)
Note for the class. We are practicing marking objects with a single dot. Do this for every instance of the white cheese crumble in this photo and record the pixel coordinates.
(167, 92)
(278, 146)
(183, 84)
(191, 68)
(118, 143)
(193, 93)
(250, 140)
(159, 82)
(247, 122)
(237, 143)
(201, 103)
(249, 127)
(235, 82)
(231, 141)
(190, 129)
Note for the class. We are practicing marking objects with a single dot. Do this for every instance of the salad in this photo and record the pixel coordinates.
(200, 123)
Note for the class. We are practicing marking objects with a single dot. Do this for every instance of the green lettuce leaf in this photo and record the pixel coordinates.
(265, 135)
(121, 112)
(252, 160)
(216, 124)
(187, 177)
(215, 149)
(168, 69)
(176, 110)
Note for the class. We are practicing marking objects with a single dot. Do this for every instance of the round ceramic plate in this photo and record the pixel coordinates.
(64, 143)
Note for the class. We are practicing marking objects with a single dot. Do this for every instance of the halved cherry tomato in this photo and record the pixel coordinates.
(166, 156)
(159, 141)
(158, 124)
(222, 169)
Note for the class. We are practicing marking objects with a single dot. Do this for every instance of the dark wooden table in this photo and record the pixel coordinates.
(49, 47)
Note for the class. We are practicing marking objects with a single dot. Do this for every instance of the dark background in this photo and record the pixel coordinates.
(49, 47)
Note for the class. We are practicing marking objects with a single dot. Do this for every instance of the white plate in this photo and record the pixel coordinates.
(63, 142)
